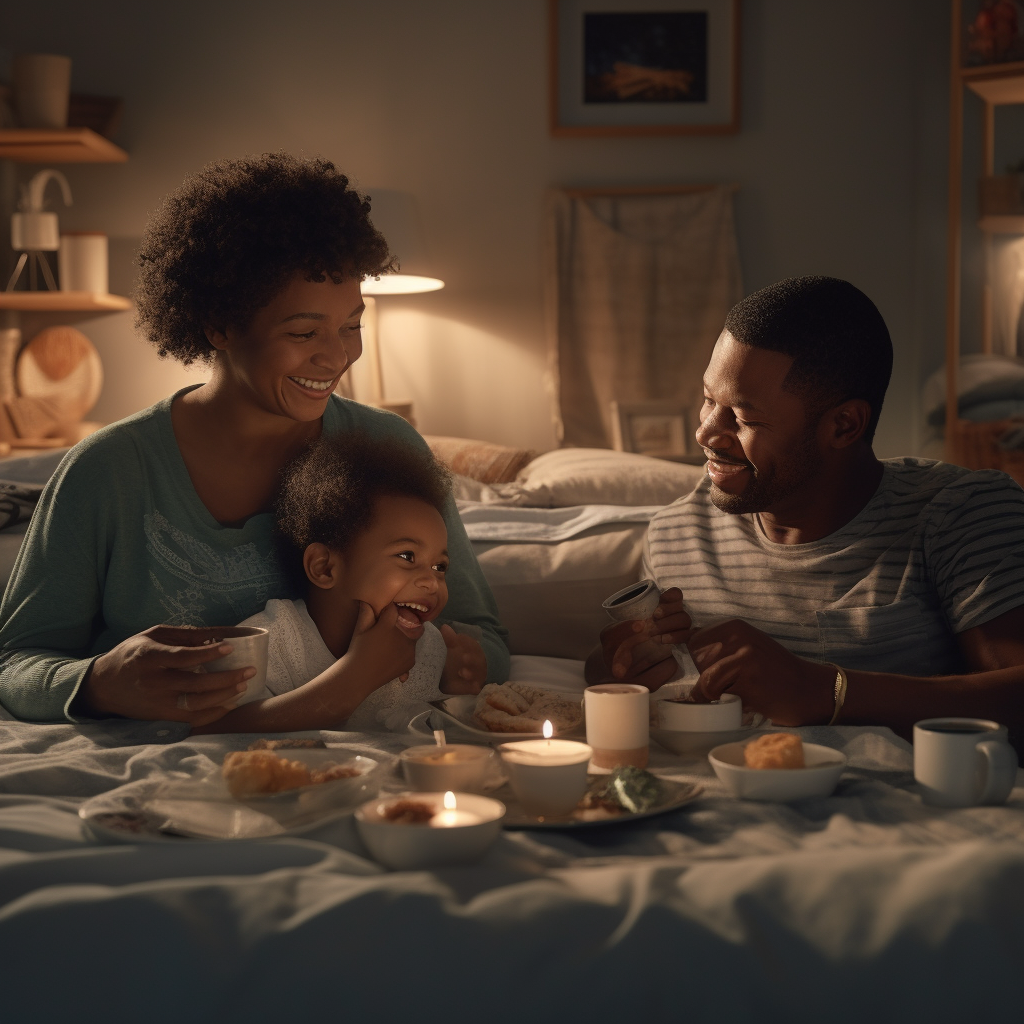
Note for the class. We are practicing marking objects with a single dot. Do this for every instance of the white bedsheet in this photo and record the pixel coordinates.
(866, 906)
(545, 525)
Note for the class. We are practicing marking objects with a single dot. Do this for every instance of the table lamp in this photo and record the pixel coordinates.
(394, 215)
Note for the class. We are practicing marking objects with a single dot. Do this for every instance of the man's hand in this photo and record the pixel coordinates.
(735, 656)
(465, 668)
(651, 665)
(380, 649)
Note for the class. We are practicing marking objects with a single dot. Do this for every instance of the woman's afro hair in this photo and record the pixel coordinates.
(231, 237)
(329, 492)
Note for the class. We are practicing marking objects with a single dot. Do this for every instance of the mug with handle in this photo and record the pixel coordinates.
(963, 762)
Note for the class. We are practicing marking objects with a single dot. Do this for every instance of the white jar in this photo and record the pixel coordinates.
(82, 262)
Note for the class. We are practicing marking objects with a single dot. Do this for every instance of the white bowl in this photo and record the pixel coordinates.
(411, 847)
(725, 715)
(460, 767)
(819, 778)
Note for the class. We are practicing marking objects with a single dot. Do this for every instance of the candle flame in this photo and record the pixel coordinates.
(549, 730)
(449, 801)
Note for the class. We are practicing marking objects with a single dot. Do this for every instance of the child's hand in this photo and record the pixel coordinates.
(465, 668)
(379, 647)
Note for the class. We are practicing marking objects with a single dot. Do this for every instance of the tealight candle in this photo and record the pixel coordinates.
(451, 816)
(548, 776)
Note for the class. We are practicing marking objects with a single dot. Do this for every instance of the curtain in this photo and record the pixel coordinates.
(638, 289)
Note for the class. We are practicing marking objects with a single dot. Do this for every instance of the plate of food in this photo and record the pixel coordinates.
(511, 711)
(255, 794)
(625, 795)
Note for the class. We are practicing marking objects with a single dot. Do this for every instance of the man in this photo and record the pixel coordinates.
(801, 554)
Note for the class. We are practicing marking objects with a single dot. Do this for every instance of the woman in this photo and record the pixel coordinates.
(161, 521)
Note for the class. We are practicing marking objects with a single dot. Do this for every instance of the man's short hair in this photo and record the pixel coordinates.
(329, 492)
(839, 343)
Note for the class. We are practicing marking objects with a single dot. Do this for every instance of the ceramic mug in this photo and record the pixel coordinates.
(637, 601)
(250, 647)
(963, 762)
(618, 718)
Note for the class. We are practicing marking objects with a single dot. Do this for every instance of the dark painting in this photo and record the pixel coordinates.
(649, 57)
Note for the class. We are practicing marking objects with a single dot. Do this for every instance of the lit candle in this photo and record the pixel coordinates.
(548, 776)
(451, 816)
(548, 730)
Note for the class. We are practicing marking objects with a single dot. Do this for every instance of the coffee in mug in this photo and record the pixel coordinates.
(963, 762)
(618, 723)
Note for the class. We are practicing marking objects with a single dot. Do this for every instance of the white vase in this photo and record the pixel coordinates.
(82, 262)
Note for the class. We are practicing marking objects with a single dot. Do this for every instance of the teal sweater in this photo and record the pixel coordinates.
(120, 541)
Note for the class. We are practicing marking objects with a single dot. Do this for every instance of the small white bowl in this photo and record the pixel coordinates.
(725, 715)
(460, 767)
(411, 847)
(819, 778)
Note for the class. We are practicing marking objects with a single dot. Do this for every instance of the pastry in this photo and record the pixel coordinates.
(516, 707)
(776, 750)
(248, 772)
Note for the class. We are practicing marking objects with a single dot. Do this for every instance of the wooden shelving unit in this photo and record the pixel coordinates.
(974, 444)
(63, 302)
(58, 146)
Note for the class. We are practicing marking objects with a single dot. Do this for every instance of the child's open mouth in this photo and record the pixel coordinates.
(412, 615)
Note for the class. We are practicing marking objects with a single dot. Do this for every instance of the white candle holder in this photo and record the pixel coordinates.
(447, 838)
(548, 776)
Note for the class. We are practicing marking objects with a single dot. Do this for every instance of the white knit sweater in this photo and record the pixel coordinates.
(298, 654)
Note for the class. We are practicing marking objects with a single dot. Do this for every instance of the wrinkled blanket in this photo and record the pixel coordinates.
(866, 905)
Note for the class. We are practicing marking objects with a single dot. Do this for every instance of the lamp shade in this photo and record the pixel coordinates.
(401, 284)
(395, 216)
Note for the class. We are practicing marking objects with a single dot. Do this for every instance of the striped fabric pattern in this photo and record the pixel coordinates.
(937, 550)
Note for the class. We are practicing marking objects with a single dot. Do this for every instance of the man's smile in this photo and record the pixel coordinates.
(721, 470)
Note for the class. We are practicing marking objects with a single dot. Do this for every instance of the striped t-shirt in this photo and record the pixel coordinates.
(937, 550)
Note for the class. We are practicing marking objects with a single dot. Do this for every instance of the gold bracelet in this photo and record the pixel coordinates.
(840, 694)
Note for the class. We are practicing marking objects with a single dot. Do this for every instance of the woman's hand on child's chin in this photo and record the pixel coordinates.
(379, 647)
(465, 668)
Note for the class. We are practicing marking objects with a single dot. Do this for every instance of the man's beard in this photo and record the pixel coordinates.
(767, 489)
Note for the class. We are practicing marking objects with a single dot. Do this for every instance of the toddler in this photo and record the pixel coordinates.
(360, 520)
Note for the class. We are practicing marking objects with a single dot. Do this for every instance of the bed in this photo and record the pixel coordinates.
(864, 905)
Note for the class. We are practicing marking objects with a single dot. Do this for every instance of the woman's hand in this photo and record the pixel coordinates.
(151, 676)
(733, 656)
(465, 668)
(379, 648)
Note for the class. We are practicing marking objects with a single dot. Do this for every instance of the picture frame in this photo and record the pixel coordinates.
(655, 427)
(644, 67)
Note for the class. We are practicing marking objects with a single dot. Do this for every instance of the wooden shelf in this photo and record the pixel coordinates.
(63, 302)
(58, 146)
(1002, 224)
(1000, 84)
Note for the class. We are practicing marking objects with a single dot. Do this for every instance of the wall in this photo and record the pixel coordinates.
(840, 162)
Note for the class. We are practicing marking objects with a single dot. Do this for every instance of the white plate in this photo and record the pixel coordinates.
(819, 778)
(169, 807)
(673, 796)
(456, 713)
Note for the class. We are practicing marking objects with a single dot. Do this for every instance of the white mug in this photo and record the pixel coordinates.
(963, 762)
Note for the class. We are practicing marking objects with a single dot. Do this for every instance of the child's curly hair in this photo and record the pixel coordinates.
(329, 492)
(231, 236)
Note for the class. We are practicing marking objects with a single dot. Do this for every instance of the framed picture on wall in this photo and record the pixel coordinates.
(644, 67)
(650, 428)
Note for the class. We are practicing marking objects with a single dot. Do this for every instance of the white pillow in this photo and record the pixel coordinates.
(549, 595)
(598, 476)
